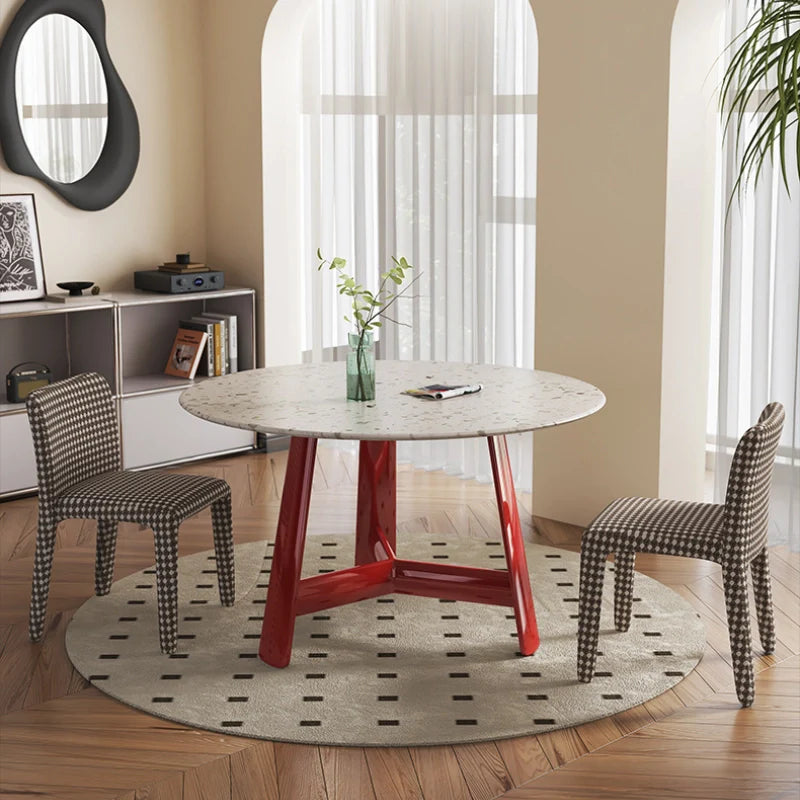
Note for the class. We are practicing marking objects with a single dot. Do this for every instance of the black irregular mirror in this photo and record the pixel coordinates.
(65, 115)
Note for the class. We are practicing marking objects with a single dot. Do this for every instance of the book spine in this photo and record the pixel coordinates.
(224, 358)
(217, 348)
(233, 341)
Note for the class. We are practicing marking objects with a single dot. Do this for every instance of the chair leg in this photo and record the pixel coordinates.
(762, 589)
(591, 595)
(166, 544)
(223, 550)
(42, 565)
(734, 579)
(624, 561)
(104, 560)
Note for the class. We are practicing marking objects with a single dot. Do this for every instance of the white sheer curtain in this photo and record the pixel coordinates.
(758, 320)
(420, 141)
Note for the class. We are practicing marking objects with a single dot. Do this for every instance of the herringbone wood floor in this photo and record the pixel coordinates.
(64, 739)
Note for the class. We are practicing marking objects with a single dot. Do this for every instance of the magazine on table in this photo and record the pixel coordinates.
(441, 391)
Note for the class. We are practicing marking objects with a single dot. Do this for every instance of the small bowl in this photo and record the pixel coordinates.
(75, 288)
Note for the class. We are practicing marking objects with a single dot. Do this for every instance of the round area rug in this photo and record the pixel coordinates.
(394, 670)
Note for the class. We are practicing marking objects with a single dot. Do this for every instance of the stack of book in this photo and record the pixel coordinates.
(177, 268)
(221, 354)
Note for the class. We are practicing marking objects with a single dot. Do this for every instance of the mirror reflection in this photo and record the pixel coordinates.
(62, 98)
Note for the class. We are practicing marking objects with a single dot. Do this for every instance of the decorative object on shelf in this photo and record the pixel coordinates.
(21, 270)
(24, 378)
(75, 288)
(74, 295)
(183, 263)
(185, 355)
(73, 32)
(367, 308)
(762, 77)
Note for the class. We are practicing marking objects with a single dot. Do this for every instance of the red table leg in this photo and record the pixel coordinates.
(378, 571)
(514, 546)
(376, 523)
(277, 630)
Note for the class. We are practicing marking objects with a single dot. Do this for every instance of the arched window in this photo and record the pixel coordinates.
(419, 140)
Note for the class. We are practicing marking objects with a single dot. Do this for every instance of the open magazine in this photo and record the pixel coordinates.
(440, 391)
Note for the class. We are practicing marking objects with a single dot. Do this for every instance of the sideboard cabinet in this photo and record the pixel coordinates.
(126, 337)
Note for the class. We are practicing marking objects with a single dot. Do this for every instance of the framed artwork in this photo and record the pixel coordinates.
(21, 270)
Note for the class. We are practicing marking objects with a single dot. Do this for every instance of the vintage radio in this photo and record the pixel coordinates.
(24, 378)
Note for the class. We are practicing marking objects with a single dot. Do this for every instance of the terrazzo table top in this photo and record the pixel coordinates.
(309, 400)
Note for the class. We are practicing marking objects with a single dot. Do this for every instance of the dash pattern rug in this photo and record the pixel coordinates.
(395, 670)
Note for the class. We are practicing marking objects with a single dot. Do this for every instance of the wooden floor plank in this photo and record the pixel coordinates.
(483, 769)
(524, 758)
(346, 773)
(392, 773)
(562, 746)
(570, 785)
(439, 774)
(208, 781)
(708, 748)
(254, 773)
(299, 772)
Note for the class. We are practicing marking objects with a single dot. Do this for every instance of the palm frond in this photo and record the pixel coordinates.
(763, 79)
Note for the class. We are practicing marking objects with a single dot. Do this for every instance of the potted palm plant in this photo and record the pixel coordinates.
(763, 76)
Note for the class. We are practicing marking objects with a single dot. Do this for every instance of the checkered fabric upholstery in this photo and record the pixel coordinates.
(734, 535)
(76, 441)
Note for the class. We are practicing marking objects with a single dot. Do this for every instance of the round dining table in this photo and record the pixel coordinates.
(307, 402)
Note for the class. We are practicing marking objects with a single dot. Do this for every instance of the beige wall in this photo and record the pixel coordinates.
(695, 74)
(156, 46)
(602, 182)
(233, 36)
(603, 99)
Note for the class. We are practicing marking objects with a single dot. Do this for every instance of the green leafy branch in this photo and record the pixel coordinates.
(767, 55)
(368, 306)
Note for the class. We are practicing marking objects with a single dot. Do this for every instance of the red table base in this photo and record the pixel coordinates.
(378, 570)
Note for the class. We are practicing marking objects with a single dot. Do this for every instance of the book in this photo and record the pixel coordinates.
(180, 268)
(217, 349)
(186, 352)
(440, 391)
(224, 336)
(207, 326)
(232, 339)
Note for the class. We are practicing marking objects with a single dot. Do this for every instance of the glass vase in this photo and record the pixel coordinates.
(361, 367)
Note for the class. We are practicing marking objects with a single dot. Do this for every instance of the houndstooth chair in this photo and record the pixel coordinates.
(76, 441)
(733, 535)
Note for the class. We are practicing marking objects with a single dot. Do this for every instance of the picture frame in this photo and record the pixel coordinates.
(21, 267)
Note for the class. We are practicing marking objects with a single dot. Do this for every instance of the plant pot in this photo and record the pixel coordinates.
(361, 367)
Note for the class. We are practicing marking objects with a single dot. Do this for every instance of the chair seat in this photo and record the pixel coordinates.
(146, 497)
(672, 527)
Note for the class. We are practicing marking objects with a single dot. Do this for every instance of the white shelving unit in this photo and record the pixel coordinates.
(126, 337)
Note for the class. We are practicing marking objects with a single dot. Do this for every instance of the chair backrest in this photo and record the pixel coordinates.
(750, 481)
(75, 432)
